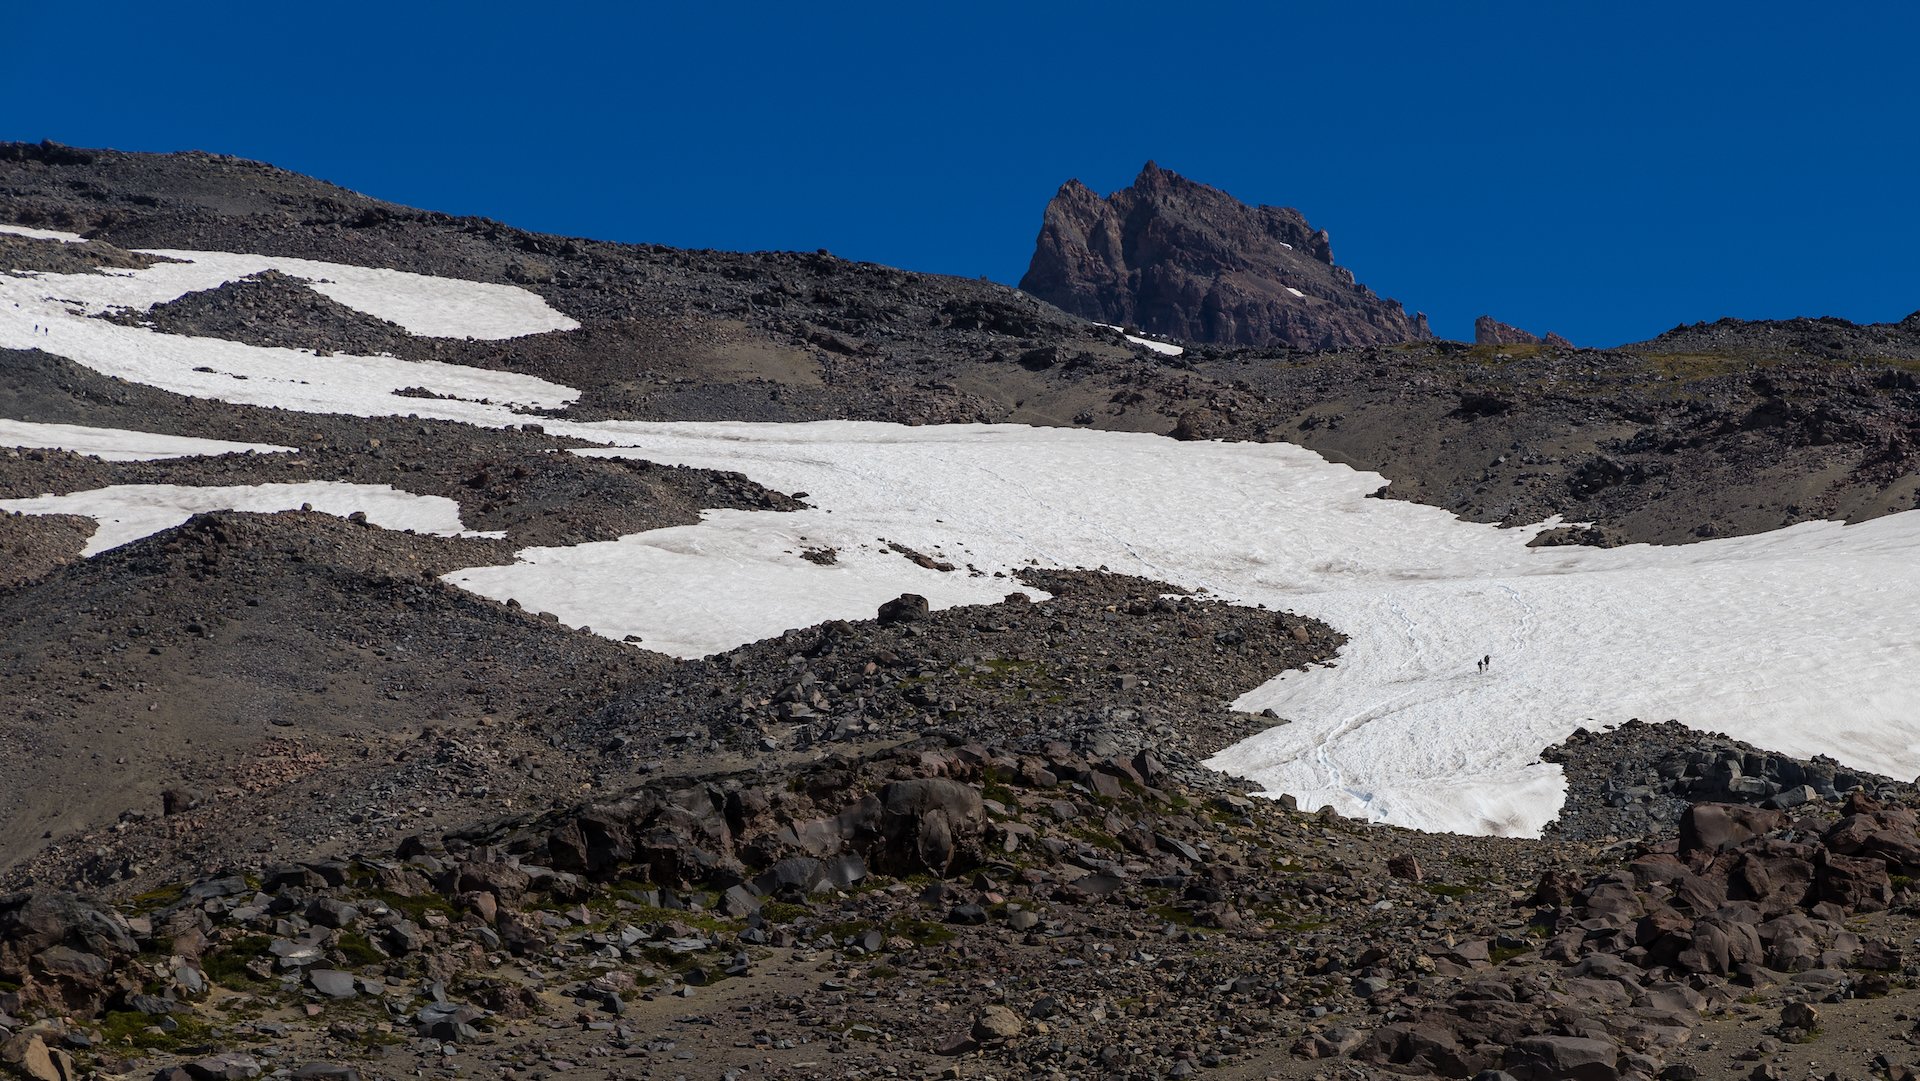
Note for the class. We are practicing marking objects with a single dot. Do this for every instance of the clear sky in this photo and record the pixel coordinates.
(1602, 170)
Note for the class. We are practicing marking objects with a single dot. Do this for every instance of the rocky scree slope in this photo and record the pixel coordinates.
(440, 705)
(1177, 258)
(947, 908)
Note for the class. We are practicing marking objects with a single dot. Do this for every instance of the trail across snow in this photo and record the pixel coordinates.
(1800, 640)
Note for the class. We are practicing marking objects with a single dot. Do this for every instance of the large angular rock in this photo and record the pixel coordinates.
(34, 921)
(30, 1055)
(1715, 827)
(1563, 1058)
(1857, 884)
(906, 608)
(926, 824)
(996, 1023)
(228, 1067)
(1185, 260)
(332, 982)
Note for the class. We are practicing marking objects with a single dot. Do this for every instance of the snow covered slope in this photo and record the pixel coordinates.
(53, 312)
(1799, 640)
(1750, 635)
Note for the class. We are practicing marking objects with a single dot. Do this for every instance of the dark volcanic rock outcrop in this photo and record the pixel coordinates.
(1490, 331)
(1175, 257)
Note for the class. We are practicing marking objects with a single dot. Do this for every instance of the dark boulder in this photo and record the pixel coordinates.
(906, 608)
(1715, 827)
(1563, 1058)
(928, 824)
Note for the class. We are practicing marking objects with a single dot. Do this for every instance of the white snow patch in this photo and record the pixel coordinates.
(119, 444)
(43, 234)
(424, 304)
(127, 512)
(1749, 636)
(51, 312)
(692, 591)
(1294, 291)
(1166, 348)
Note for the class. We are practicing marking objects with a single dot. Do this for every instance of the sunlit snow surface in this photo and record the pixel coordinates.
(1800, 640)
(127, 512)
(1163, 348)
(42, 234)
(52, 312)
(119, 444)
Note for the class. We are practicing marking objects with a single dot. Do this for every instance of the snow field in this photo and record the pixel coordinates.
(1749, 636)
(52, 312)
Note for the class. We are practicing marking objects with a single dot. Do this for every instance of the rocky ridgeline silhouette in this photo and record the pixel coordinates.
(1182, 259)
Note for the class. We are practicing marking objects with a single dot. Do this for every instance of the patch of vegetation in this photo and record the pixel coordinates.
(158, 897)
(1446, 889)
(1179, 917)
(1688, 367)
(1295, 924)
(1500, 955)
(372, 1039)
(227, 966)
(359, 950)
(919, 932)
(1095, 837)
(996, 784)
(132, 1028)
(782, 911)
(416, 908)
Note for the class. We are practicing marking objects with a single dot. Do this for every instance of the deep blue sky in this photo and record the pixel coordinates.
(1603, 170)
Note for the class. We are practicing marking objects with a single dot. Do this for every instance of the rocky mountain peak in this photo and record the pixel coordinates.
(1490, 331)
(1176, 257)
